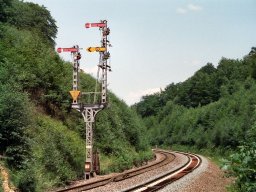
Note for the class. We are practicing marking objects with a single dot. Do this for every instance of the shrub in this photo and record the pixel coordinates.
(242, 165)
(57, 156)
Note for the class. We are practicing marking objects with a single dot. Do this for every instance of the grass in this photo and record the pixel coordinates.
(216, 155)
(113, 163)
(105, 163)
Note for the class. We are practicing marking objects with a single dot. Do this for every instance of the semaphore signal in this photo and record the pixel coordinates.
(91, 102)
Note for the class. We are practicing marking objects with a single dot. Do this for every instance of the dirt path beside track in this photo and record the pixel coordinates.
(5, 179)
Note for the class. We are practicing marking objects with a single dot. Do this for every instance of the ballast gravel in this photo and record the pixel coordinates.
(127, 183)
(206, 178)
(186, 180)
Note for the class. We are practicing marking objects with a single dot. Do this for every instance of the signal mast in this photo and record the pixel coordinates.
(76, 56)
(83, 102)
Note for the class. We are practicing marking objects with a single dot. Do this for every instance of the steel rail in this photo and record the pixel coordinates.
(168, 157)
(160, 182)
(132, 173)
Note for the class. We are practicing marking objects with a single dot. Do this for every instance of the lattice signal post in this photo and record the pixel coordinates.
(82, 100)
(90, 110)
(76, 55)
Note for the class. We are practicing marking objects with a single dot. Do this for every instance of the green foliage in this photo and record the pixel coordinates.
(33, 17)
(220, 124)
(14, 120)
(119, 135)
(212, 113)
(201, 89)
(212, 109)
(127, 158)
(242, 165)
(252, 52)
(34, 82)
(222, 116)
(149, 106)
(37, 68)
(57, 156)
(124, 161)
(120, 124)
(4, 6)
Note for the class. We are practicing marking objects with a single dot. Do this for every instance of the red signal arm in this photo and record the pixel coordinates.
(59, 50)
(88, 25)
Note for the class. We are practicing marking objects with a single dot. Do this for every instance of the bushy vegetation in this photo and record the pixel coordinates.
(213, 108)
(212, 111)
(57, 155)
(242, 166)
(41, 136)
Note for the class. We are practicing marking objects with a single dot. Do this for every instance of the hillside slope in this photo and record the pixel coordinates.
(213, 112)
(215, 108)
(41, 136)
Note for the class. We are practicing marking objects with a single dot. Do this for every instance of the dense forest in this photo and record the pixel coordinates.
(214, 111)
(213, 108)
(42, 139)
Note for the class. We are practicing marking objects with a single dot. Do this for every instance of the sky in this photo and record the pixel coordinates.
(155, 42)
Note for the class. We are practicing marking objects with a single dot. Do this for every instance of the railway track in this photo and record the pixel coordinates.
(155, 184)
(160, 182)
(167, 158)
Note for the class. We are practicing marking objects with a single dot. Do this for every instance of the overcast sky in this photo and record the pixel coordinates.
(155, 42)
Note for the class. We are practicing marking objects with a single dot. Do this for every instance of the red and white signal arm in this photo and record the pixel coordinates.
(59, 50)
(88, 25)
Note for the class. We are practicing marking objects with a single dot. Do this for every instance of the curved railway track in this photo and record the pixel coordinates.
(160, 182)
(153, 185)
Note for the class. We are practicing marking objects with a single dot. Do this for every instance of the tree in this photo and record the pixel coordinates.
(200, 89)
(4, 5)
(253, 51)
(149, 105)
(32, 17)
(14, 119)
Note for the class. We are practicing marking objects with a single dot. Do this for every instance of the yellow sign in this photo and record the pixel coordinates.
(74, 94)
(97, 49)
